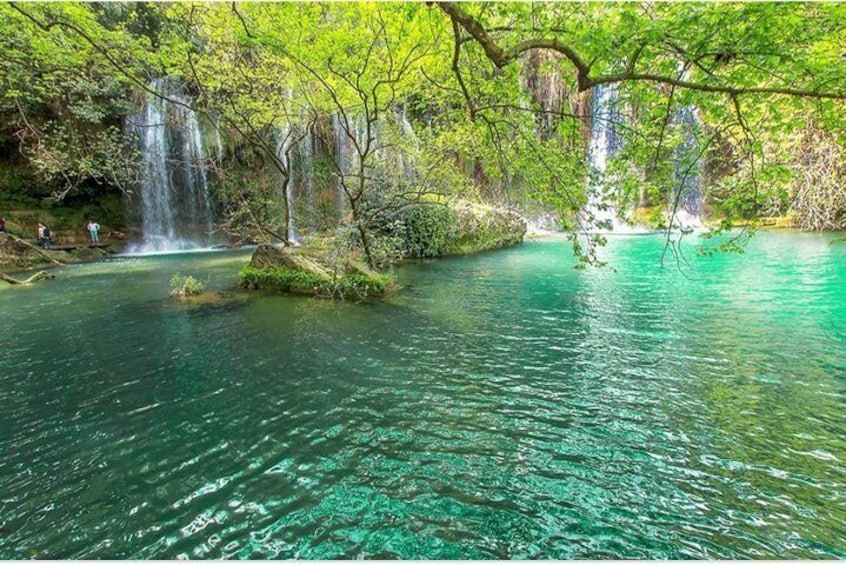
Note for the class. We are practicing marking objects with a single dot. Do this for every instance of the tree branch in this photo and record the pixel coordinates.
(457, 71)
(241, 18)
(37, 276)
(725, 89)
(502, 57)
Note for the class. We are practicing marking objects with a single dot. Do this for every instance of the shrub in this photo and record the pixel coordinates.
(417, 230)
(429, 230)
(185, 286)
(657, 218)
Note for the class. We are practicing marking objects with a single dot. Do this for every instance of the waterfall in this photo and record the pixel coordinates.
(687, 167)
(345, 154)
(284, 150)
(218, 142)
(340, 153)
(307, 169)
(173, 193)
(292, 217)
(407, 130)
(603, 144)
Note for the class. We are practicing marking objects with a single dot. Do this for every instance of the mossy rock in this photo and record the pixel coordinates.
(211, 299)
(652, 217)
(454, 227)
(289, 270)
(268, 256)
(482, 227)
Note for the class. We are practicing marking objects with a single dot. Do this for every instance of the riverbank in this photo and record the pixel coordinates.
(19, 254)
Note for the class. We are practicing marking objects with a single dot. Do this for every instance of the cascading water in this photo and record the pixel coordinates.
(174, 194)
(346, 156)
(601, 215)
(284, 149)
(307, 171)
(686, 207)
(218, 142)
(407, 162)
(391, 155)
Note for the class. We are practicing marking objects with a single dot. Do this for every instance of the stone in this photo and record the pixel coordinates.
(270, 257)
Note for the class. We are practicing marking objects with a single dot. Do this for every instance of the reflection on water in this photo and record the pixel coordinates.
(502, 406)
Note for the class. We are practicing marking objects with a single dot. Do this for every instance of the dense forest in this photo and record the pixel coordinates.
(395, 105)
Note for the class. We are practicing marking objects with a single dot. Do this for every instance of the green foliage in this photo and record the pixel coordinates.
(425, 229)
(657, 218)
(185, 286)
(429, 230)
(63, 99)
(15, 178)
(268, 73)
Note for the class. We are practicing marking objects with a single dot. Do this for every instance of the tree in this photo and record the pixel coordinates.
(60, 100)
(737, 63)
(354, 70)
(497, 93)
(243, 88)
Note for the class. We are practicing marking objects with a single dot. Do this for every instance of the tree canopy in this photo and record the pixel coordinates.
(497, 94)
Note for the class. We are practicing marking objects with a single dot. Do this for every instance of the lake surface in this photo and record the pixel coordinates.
(502, 406)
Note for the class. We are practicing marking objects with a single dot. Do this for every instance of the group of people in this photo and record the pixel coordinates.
(45, 237)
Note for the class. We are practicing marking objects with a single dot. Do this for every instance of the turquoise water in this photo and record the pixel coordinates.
(502, 406)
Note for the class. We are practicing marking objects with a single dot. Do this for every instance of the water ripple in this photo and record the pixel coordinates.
(507, 407)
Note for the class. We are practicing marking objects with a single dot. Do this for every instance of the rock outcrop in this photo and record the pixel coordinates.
(482, 227)
(302, 271)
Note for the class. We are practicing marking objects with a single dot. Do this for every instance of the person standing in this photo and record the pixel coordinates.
(2, 224)
(94, 231)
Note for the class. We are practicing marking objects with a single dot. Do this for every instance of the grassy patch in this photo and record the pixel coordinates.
(185, 286)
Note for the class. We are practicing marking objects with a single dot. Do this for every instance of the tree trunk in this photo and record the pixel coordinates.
(34, 248)
(37, 276)
(365, 244)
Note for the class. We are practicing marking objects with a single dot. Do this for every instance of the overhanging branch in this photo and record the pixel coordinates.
(502, 57)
